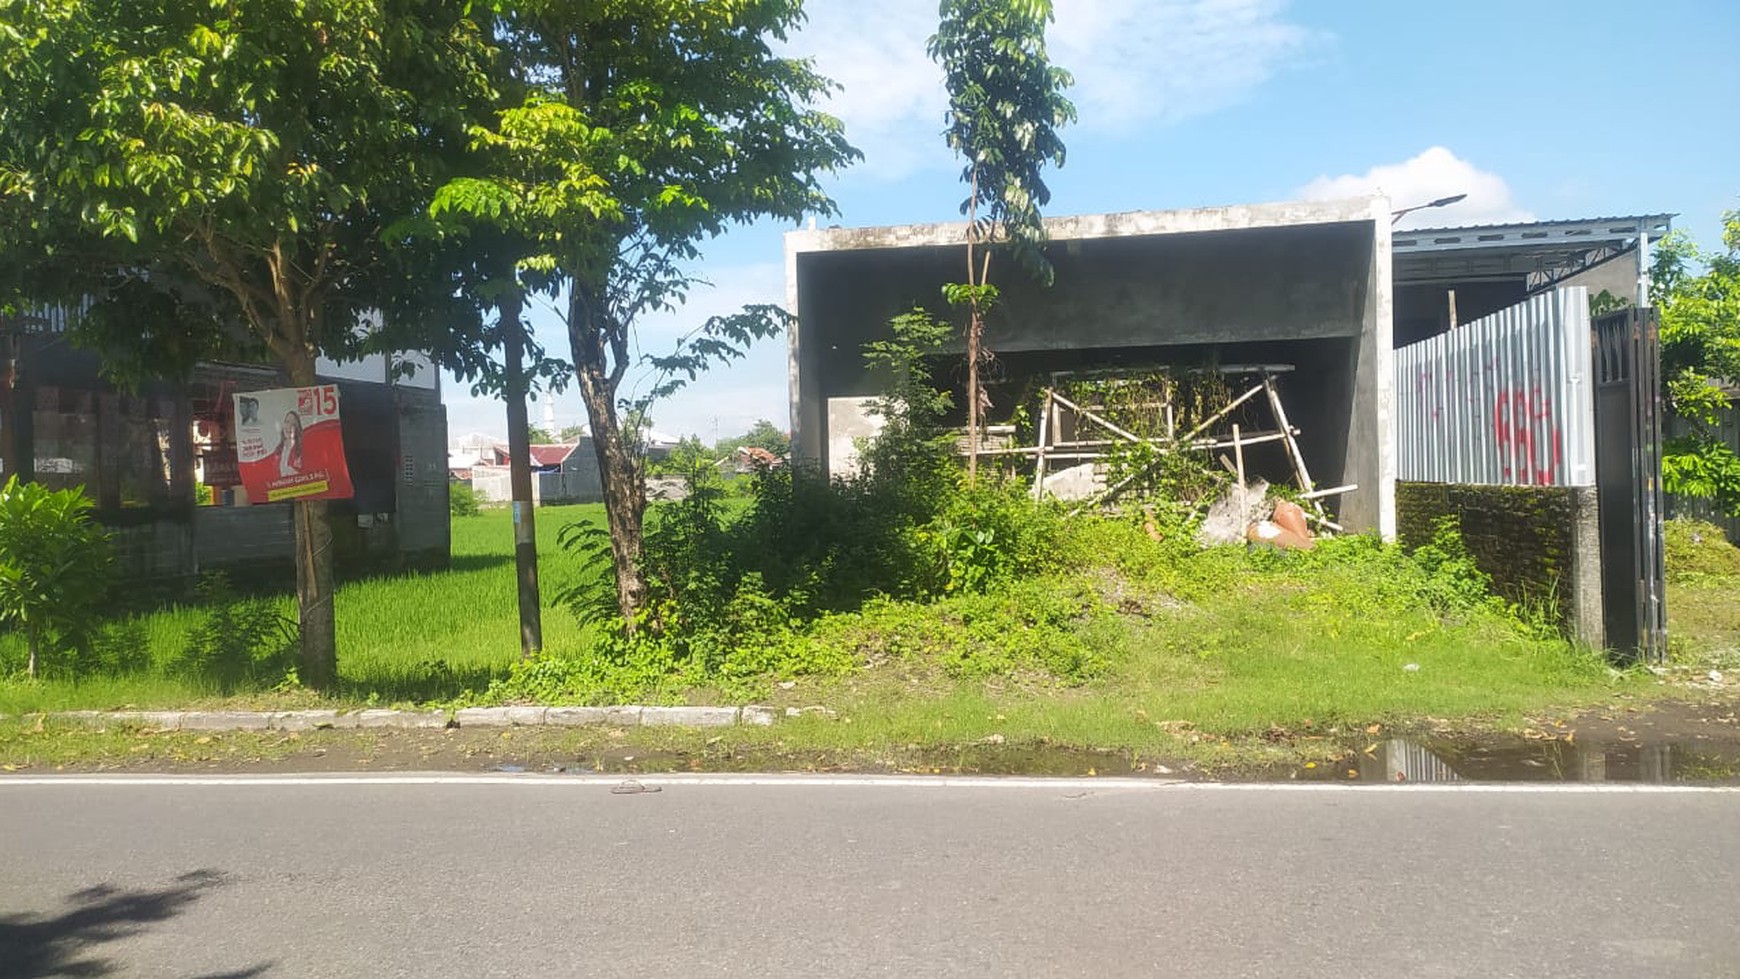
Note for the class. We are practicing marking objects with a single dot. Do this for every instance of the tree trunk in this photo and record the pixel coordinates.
(33, 642)
(520, 476)
(975, 325)
(618, 471)
(319, 664)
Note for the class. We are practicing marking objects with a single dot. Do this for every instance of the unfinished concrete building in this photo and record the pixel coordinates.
(1303, 286)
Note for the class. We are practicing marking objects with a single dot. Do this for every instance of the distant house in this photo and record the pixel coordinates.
(563, 473)
(552, 458)
(474, 449)
(751, 458)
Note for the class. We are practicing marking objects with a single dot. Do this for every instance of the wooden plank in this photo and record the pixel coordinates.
(1332, 491)
(1039, 465)
(1299, 468)
(1239, 455)
(1217, 416)
(1060, 399)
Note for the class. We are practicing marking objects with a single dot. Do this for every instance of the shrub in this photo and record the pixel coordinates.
(462, 500)
(1696, 550)
(240, 643)
(55, 567)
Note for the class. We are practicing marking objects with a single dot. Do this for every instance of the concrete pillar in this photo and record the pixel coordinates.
(1587, 623)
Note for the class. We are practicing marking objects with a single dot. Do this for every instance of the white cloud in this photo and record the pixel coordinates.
(1136, 63)
(1433, 174)
(728, 399)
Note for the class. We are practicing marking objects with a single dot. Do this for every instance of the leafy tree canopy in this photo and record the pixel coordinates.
(1006, 104)
(1700, 358)
(199, 167)
(637, 130)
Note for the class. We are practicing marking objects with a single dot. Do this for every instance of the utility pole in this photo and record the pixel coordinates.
(9, 462)
(520, 474)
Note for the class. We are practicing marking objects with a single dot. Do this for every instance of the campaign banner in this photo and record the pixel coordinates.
(289, 445)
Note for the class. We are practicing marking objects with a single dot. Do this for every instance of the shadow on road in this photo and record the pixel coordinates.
(67, 944)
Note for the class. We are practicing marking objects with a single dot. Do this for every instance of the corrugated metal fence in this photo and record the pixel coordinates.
(1504, 400)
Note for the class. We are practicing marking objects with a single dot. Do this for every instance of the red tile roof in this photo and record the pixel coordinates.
(551, 455)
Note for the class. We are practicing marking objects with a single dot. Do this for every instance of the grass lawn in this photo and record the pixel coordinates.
(412, 637)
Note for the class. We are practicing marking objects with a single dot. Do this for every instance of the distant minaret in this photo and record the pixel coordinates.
(550, 414)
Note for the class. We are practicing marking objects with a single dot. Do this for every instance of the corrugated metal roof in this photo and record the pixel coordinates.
(1617, 224)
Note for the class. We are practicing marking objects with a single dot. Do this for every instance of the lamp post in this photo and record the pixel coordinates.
(1440, 202)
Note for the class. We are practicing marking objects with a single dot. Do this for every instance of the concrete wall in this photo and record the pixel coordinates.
(577, 482)
(1304, 282)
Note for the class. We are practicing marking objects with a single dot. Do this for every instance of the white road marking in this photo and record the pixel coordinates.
(837, 781)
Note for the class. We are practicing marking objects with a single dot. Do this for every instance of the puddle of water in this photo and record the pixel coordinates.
(1390, 761)
(1401, 761)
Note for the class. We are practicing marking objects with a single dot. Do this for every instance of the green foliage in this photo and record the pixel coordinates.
(1605, 302)
(1006, 104)
(733, 596)
(987, 535)
(55, 568)
(462, 500)
(761, 435)
(235, 165)
(539, 436)
(1044, 628)
(1455, 580)
(1160, 468)
(240, 643)
(686, 456)
(627, 134)
(1700, 353)
(1698, 551)
(1700, 465)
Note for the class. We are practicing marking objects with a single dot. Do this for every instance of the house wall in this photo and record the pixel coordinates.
(395, 448)
(1304, 283)
(576, 482)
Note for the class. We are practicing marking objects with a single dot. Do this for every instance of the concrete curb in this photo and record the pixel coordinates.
(629, 715)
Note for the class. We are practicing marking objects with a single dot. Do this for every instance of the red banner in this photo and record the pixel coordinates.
(289, 445)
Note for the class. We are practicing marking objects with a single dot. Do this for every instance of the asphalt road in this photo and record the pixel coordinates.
(557, 877)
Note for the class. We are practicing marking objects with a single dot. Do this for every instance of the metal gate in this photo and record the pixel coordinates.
(1627, 355)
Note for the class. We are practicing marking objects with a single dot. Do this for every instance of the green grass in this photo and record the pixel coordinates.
(1187, 652)
(403, 638)
(1703, 595)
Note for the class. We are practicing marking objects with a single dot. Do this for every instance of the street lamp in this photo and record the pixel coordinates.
(1440, 202)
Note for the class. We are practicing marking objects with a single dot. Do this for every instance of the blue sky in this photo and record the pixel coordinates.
(1538, 109)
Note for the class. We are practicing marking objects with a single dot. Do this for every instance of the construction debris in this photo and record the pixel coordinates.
(1233, 514)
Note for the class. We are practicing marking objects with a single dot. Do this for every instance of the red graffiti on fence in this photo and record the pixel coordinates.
(1514, 417)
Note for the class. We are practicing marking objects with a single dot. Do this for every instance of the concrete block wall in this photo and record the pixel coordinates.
(1539, 543)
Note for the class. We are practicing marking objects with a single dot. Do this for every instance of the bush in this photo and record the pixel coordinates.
(55, 569)
(240, 643)
(1697, 550)
(462, 500)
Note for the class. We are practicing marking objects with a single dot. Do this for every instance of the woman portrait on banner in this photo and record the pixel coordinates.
(289, 451)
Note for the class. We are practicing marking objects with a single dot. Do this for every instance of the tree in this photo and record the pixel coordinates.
(54, 564)
(762, 435)
(1700, 360)
(227, 178)
(647, 126)
(1006, 104)
(573, 433)
(539, 436)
